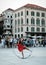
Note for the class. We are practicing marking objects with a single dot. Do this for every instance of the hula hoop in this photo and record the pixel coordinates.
(27, 53)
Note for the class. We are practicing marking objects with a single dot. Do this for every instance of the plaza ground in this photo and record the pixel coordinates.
(7, 57)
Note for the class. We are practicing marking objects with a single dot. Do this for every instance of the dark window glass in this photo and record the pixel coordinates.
(32, 13)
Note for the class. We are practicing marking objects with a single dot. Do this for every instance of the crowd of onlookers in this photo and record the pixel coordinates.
(11, 42)
(8, 42)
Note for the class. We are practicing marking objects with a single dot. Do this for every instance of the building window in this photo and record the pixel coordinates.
(27, 29)
(43, 14)
(18, 21)
(43, 29)
(15, 36)
(32, 21)
(27, 13)
(18, 14)
(21, 20)
(18, 29)
(8, 16)
(21, 29)
(11, 16)
(15, 22)
(32, 13)
(37, 14)
(38, 21)
(8, 26)
(18, 36)
(11, 21)
(27, 21)
(15, 15)
(38, 29)
(43, 22)
(15, 30)
(32, 29)
(21, 13)
(21, 35)
(11, 26)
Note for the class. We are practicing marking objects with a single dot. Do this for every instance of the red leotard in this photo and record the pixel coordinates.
(21, 47)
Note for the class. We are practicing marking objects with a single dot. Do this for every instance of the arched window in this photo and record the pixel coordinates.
(43, 22)
(21, 35)
(21, 13)
(32, 21)
(37, 14)
(38, 29)
(43, 29)
(15, 36)
(15, 15)
(32, 13)
(15, 22)
(21, 20)
(15, 30)
(18, 29)
(32, 29)
(18, 21)
(21, 29)
(27, 21)
(38, 21)
(27, 29)
(27, 13)
(43, 14)
(18, 36)
(18, 14)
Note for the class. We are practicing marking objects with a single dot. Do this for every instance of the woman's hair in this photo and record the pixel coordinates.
(20, 42)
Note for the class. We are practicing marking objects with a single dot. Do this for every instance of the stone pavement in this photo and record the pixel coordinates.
(7, 57)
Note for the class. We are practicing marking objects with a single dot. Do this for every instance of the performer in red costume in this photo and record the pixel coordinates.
(21, 47)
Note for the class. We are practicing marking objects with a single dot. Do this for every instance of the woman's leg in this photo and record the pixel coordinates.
(22, 54)
(26, 48)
